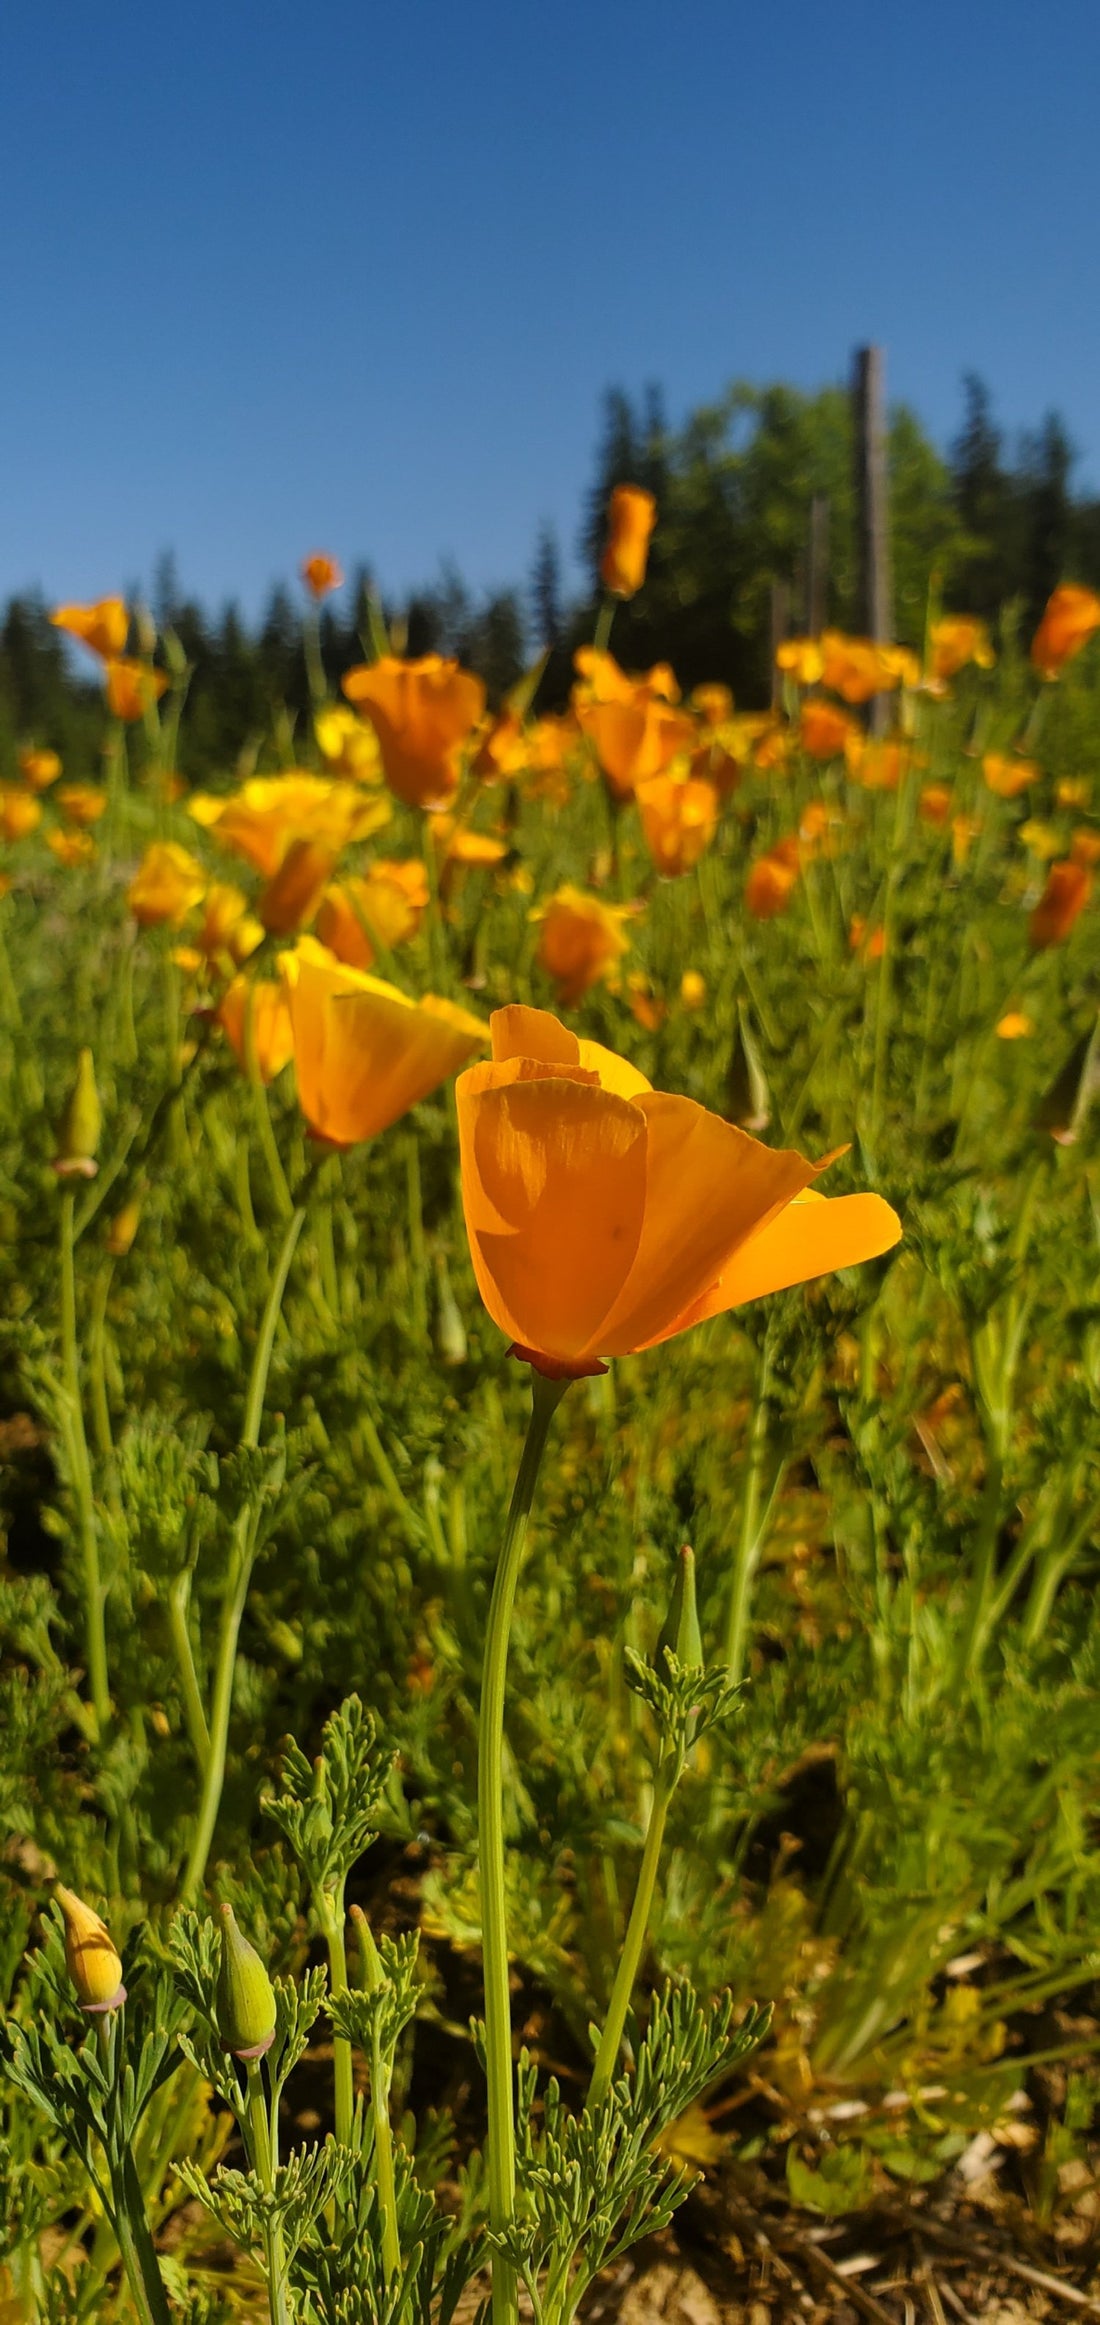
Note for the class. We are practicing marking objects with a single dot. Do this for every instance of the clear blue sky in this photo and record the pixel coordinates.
(286, 274)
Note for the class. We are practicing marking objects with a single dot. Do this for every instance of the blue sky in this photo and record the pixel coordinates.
(279, 275)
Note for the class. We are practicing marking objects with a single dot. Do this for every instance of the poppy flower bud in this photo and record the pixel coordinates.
(748, 1096)
(80, 1125)
(123, 1228)
(245, 1998)
(90, 1957)
(631, 516)
(681, 1625)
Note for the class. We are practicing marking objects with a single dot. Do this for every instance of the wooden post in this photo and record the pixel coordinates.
(817, 566)
(872, 507)
(780, 625)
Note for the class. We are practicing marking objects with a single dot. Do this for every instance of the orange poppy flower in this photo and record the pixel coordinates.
(1015, 1025)
(1008, 775)
(712, 704)
(857, 668)
(254, 1012)
(634, 740)
(934, 804)
(802, 658)
(228, 931)
(600, 679)
(604, 1216)
(823, 730)
(168, 881)
(81, 803)
(363, 1052)
(39, 768)
(679, 820)
(20, 812)
(71, 848)
(503, 752)
(631, 516)
(133, 688)
(294, 892)
(582, 941)
(872, 945)
(104, 626)
(387, 904)
(1068, 888)
(320, 574)
(955, 640)
(423, 713)
(271, 813)
(1072, 790)
(771, 881)
(1069, 618)
(1084, 847)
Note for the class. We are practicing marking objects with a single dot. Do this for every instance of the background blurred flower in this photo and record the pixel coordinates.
(168, 881)
(423, 713)
(1070, 616)
(133, 688)
(39, 768)
(679, 820)
(321, 574)
(255, 1014)
(631, 516)
(955, 640)
(581, 940)
(363, 1052)
(1067, 891)
(104, 626)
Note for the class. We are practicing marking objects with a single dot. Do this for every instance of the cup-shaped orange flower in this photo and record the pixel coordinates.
(679, 820)
(823, 730)
(582, 941)
(631, 516)
(604, 1216)
(385, 907)
(168, 881)
(266, 818)
(321, 573)
(1007, 775)
(955, 640)
(857, 668)
(1070, 616)
(103, 626)
(772, 880)
(424, 712)
(1068, 888)
(39, 768)
(363, 1052)
(133, 688)
(634, 740)
(20, 812)
(81, 803)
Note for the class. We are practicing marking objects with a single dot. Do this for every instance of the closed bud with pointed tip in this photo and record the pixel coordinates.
(749, 1099)
(80, 1125)
(681, 1630)
(245, 1998)
(90, 1956)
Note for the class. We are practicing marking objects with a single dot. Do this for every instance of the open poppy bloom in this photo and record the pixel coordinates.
(168, 881)
(1070, 616)
(270, 814)
(104, 626)
(631, 516)
(423, 712)
(679, 820)
(582, 940)
(363, 1052)
(605, 1216)
(955, 640)
(385, 906)
(823, 730)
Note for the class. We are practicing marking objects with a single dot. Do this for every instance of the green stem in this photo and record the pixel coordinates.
(371, 1969)
(501, 2151)
(284, 1200)
(95, 1635)
(330, 1911)
(179, 1600)
(263, 2164)
(607, 2056)
(135, 2243)
(747, 1549)
(237, 1580)
(604, 619)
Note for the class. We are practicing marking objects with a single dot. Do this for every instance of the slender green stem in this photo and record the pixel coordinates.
(95, 1634)
(330, 1913)
(747, 1549)
(179, 1600)
(284, 1200)
(237, 1581)
(604, 619)
(263, 2164)
(371, 1971)
(607, 2056)
(501, 2152)
(135, 2243)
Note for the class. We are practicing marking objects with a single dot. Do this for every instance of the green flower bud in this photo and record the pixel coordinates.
(681, 1625)
(245, 1999)
(80, 1125)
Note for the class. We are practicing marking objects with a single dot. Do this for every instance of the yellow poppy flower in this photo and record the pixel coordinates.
(103, 626)
(168, 881)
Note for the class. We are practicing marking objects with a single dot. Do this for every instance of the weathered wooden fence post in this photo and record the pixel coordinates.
(817, 565)
(875, 612)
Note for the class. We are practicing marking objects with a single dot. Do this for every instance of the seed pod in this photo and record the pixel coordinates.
(80, 1125)
(90, 1956)
(245, 1999)
(681, 1625)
